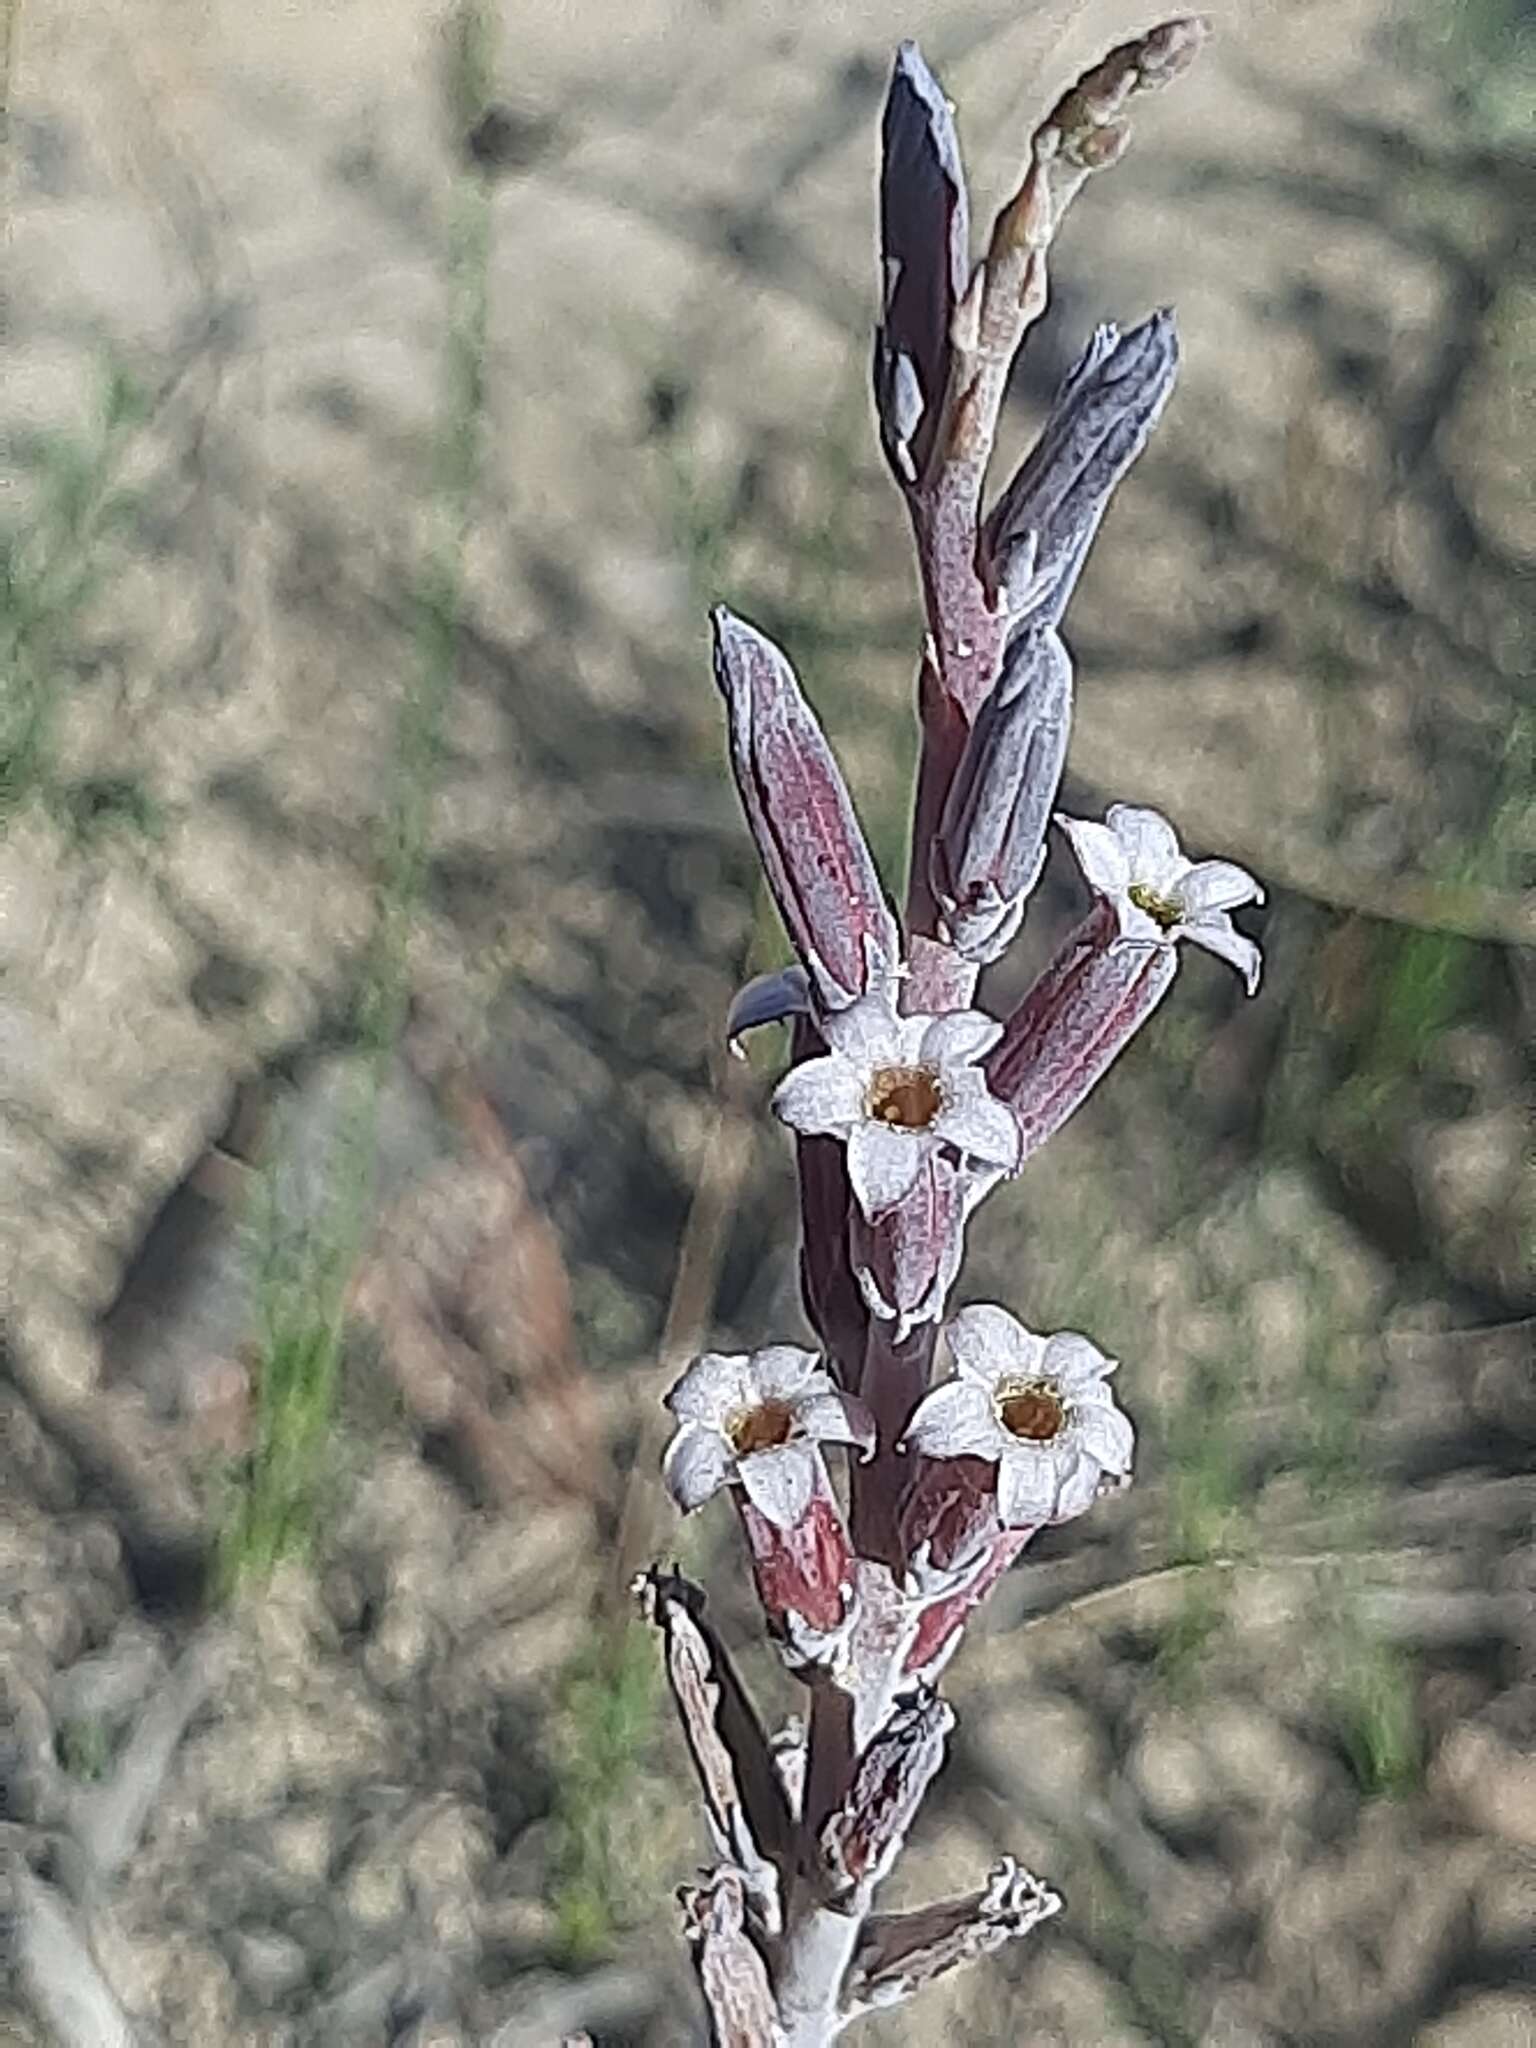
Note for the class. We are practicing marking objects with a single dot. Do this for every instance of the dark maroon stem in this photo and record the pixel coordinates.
(894, 1380)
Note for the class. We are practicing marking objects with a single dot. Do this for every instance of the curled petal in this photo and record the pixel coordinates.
(697, 1464)
(1219, 936)
(767, 999)
(1217, 885)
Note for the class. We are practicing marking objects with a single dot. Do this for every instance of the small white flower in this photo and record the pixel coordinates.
(1038, 1406)
(756, 1418)
(1134, 859)
(896, 1088)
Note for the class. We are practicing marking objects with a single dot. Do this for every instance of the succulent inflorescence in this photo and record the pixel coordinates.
(910, 1106)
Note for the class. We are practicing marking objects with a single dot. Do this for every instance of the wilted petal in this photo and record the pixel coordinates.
(955, 1420)
(1106, 1434)
(883, 1163)
(780, 1483)
(1028, 1488)
(768, 999)
(822, 1095)
(697, 1463)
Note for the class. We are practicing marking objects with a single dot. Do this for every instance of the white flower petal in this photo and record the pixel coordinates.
(834, 1418)
(1079, 1490)
(1217, 885)
(780, 1483)
(867, 1031)
(1076, 1364)
(1099, 854)
(1028, 1485)
(989, 1344)
(697, 1463)
(1138, 927)
(1106, 1435)
(958, 1037)
(956, 1420)
(1150, 844)
(821, 1095)
(788, 1372)
(883, 1163)
(1218, 935)
(714, 1386)
(977, 1124)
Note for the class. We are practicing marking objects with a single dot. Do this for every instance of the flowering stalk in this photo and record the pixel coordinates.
(962, 1432)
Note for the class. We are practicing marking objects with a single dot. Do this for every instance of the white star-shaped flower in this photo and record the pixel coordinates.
(896, 1088)
(756, 1418)
(1134, 860)
(1037, 1406)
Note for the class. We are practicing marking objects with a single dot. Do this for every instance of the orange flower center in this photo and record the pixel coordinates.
(761, 1429)
(906, 1098)
(1162, 910)
(1030, 1409)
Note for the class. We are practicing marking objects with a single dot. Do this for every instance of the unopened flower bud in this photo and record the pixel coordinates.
(924, 230)
(1073, 1024)
(798, 809)
(990, 846)
(1041, 529)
